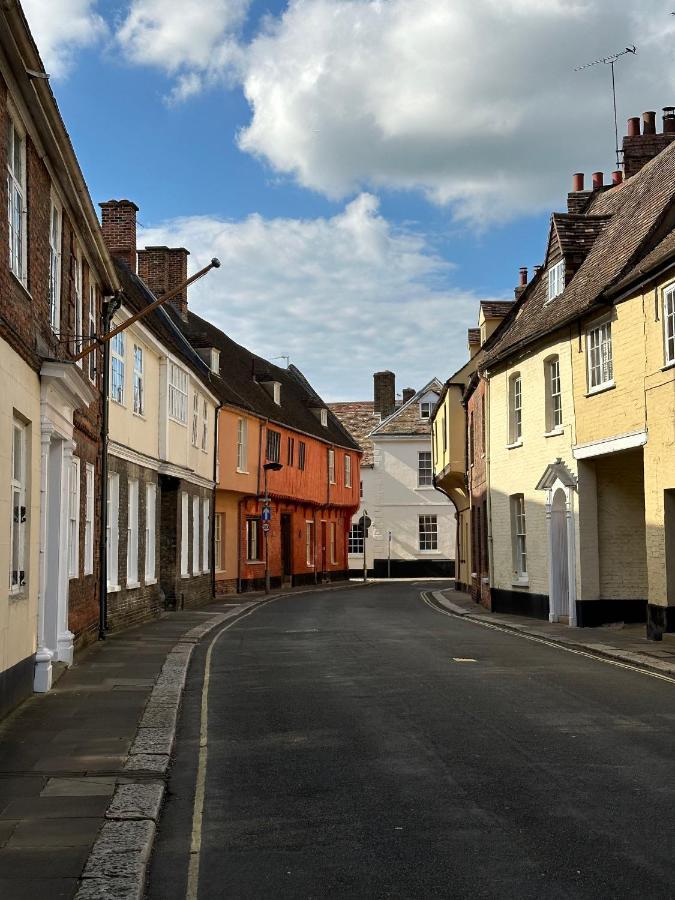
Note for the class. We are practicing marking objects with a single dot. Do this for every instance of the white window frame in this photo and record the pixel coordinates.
(195, 419)
(78, 337)
(553, 397)
(206, 526)
(277, 393)
(18, 510)
(599, 358)
(348, 470)
(113, 531)
(195, 535)
(331, 465)
(556, 280)
(215, 361)
(355, 540)
(426, 407)
(515, 409)
(252, 540)
(139, 380)
(150, 533)
(427, 533)
(332, 539)
(519, 538)
(55, 250)
(324, 418)
(184, 548)
(117, 360)
(218, 541)
(89, 519)
(425, 469)
(132, 532)
(273, 445)
(205, 425)
(178, 393)
(309, 543)
(74, 518)
(92, 359)
(669, 325)
(302, 455)
(242, 445)
(17, 200)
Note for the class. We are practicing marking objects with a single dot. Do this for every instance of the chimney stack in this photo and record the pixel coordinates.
(384, 393)
(578, 182)
(408, 394)
(634, 126)
(649, 122)
(617, 177)
(118, 224)
(598, 180)
(163, 269)
(522, 280)
(669, 119)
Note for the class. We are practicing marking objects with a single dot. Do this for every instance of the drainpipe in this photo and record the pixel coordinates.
(110, 307)
(239, 544)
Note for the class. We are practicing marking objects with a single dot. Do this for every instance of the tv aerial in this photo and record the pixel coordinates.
(610, 61)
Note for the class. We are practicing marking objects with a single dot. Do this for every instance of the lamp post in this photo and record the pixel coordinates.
(268, 467)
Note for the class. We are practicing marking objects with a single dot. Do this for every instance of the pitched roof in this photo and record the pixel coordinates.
(473, 335)
(577, 233)
(239, 384)
(636, 217)
(406, 419)
(359, 418)
(495, 309)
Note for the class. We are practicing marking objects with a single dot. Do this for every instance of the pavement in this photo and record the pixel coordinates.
(363, 744)
(622, 642)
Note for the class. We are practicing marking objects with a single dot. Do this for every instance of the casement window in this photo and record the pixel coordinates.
(178, 393)
(55, 226)
(253, 542)
(92, 328)
(117, 368)
(556, 280)
(518, 537)
(18, 523)
(139, 386)
(553, 394)
(16, 200)
(206, 531)
(195, 536)
(78, 282)
(600, 364)
(428, 532)
(472, 447)
(515, 409)
(309, 542)
(113, 529)
(150, 532)
(205, 424)
(348, 470)
(195, 418)
(277, 393)
(302, 449)
(74, 518)
(89, 519)
(132, 533)
(424, 468)
(219, 541)
(291, 451)
(215, 361)
(355, 544)
(273, 445)
(669, 325)
(333, 547)
(242, 445)
(184, 552)
(324, 418)
(425, 409)
(331, 465)
(445, 434)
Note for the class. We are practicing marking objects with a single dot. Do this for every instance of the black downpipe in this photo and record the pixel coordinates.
(110, 307)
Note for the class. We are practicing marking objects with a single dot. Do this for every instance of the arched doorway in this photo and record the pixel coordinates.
(559, 556)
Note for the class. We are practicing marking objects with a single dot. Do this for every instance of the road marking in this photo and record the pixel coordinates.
(192, 889)
(462, 659)
(540, 640)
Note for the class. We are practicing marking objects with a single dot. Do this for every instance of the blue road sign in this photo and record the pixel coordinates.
(266, 513)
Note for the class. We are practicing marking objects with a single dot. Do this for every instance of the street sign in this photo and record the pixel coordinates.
(365, 522)
(266, 526)
(266, 514)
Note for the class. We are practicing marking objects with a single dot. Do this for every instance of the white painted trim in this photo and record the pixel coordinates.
(157, 465)
(610, 445)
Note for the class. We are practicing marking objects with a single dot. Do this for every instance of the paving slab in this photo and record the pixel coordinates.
(79, 787)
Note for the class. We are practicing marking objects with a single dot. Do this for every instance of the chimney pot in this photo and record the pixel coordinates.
(668, 120)
(384, 393)
(617, 177)
(537, 269)
(578, 182)
(523, 276)
(634, 126)
(408, 394)
(598, 180)
(649, 122)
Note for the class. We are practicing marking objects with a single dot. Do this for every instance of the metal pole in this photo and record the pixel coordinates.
(389, 558)
(267, 555)
(109, 308)
(363, 532)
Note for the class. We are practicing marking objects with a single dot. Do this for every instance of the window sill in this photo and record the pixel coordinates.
(114, 588)
(600, 390)
(117, 402)
(668, 366)
(430, 552)
(514, 445)
(555, 433)
(139, 415)
(425, 487)
(24, 288)
(177, 421)
(242, 472)
(150, 581)
(132, 585)
(255, 562)
(521, 583)
(185, 575)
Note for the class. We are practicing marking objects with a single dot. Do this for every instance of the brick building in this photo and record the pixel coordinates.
(54, 274)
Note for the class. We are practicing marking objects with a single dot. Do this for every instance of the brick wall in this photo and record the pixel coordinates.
(180, 590)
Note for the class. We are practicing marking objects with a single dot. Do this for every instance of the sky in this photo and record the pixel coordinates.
(366, 170)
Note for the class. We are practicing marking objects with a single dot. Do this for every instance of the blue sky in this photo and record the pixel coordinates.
(367, 170)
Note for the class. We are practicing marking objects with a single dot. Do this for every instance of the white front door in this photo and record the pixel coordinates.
(559, 556)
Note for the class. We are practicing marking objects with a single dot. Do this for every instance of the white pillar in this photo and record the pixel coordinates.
(553, 613)
(42, 680)
(64, 648)
(571, 556)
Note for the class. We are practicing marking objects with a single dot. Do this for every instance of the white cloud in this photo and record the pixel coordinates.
(344, 296)
(474, 102)
(194, 41)
(60, 28)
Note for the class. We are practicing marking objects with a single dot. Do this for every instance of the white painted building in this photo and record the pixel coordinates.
(412, 524)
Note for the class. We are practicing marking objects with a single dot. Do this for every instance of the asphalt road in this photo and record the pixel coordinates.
(351, 755)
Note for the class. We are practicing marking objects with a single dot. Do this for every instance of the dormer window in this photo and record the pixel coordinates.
(425, 409)
(277, 393)
(273, 388)
(556, 279)
(215, 360)
(324, 418)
